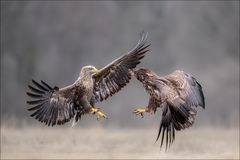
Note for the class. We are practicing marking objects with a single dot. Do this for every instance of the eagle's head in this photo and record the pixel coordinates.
(88, 71)
(144, 74)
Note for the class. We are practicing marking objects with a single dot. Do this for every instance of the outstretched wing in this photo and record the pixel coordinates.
(51, 105)
(178, 112)
(116, 75)
(188, 88)
(176, 116)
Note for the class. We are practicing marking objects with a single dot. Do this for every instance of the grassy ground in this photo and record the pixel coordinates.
(62, 143)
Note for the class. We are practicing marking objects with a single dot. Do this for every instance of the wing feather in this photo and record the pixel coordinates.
(39, 86)
(116, 75)
(51, 105)
(188, 88)
(45, 84)
(178, 114)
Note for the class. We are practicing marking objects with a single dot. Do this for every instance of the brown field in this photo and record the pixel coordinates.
(106, 143)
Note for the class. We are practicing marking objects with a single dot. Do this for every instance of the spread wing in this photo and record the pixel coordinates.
(116, 75)
(51, 105)
(188, 88)
(178, 112)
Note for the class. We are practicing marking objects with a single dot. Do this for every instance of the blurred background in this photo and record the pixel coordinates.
(52, 41)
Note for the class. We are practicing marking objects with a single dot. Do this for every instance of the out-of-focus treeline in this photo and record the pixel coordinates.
(51, 41)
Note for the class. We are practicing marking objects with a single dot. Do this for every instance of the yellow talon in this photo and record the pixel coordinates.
(100, 115)
(93, 110)
(139, 112)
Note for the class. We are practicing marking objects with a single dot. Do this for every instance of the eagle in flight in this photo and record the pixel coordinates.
(176, 94)
(54, 105)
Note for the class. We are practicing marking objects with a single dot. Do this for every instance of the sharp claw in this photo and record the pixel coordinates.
(136, 111)
(97, 111)
(139, 112)
(100, 115)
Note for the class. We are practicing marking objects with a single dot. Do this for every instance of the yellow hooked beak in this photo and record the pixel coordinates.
(95, 70)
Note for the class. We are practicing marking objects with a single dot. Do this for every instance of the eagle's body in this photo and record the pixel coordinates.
(176, 94)
(57, 106)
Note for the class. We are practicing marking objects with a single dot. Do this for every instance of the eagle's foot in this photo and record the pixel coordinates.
(139, 112)
(98, 112)
(100, 115)
(94, 110)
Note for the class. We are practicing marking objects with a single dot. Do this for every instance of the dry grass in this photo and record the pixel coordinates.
(79, 143)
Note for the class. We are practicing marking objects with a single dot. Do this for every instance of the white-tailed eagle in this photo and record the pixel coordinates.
(54, 105)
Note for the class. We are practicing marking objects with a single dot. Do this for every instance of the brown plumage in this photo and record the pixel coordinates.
(176, 94)
(56, 106)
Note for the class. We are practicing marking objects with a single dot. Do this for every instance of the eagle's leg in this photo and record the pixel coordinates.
(98, 112)
(93, 110)
(140, 111)
(89, 108)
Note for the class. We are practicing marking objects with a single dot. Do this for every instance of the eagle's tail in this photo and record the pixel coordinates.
(176, 116)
